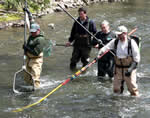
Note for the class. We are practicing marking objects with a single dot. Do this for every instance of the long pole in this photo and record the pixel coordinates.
(88, 30)
(83, 27)
(80, 24)
(25, 32)
(62, 84)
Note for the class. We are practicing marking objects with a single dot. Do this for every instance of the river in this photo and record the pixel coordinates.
(84, 97)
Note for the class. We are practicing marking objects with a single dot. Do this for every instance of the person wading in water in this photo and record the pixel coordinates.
(81, 39)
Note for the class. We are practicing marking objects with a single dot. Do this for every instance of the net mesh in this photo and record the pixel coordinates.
(48, 48)
(23, 81)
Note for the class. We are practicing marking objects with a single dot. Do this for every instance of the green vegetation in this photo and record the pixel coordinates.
(16, 5)
(2, 6)
(10, 17)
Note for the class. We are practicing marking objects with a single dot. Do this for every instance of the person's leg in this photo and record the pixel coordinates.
(118, 81)
(101, 70)
(132, 84)
(85, 55)
(36, 69)
(75, 58)
(110, 68)
(27, 77)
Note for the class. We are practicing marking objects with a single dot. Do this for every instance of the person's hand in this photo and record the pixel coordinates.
(29, 13)
(24, 47)
(26, 9)
(100, 52)
(96, 46)
(131, 68)
(68, 44)
(128, 73)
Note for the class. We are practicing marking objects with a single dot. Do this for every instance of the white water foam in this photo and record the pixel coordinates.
(48, 82)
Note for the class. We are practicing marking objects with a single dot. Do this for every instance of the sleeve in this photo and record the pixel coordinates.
(29, 17)
(94, 41)
(73, 32)
(92, 27)
(109, 46)
(135, 51)
(40, 43)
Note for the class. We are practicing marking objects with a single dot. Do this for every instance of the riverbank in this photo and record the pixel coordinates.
(16, 19)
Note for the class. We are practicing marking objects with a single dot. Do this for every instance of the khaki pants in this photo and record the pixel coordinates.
(34, 66)
(120, 78)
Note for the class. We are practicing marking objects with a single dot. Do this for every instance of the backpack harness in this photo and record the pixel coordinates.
(135, 38)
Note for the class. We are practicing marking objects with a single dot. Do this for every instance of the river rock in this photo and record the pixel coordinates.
(3, 11)
(68, 6)
(51, 25)
(18, 24)
(49, 10)
(57, 9)
(2, 26)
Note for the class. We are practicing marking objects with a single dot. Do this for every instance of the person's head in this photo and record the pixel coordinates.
(122, 33)
(34, 29)
(105, 27)
(82, 13)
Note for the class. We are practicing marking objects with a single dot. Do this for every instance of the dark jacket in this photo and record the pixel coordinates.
(105, 38)
(36, 44)
(77, 31)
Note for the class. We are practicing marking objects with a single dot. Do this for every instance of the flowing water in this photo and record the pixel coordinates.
(84, 97)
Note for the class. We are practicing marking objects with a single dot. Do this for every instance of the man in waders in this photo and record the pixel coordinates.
(34, 53)
(106, 63)
(81, 39)
(126, 61)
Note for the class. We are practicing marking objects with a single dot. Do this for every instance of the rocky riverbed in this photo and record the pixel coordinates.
(53, 8)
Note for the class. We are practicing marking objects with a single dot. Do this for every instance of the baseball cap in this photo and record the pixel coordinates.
(121, 29)
(34, 27)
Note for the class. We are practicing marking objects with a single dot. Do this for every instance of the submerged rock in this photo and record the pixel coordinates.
(51, 25)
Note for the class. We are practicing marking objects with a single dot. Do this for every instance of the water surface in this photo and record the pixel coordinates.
(84, 97)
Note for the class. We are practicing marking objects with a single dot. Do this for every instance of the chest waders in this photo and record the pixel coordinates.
(121, 65)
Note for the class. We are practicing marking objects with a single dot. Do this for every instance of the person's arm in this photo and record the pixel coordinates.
(94, 41)
(131, 68)
(135, 51)
(73, 32)
(39, 45)
(109, 46)
(28, 49)
(30, 17)
(136, 58)
(92, 27)
(72, 35)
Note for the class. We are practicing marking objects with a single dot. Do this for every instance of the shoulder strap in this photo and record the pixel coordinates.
(116, 43)
(88, 25)
(129, 47)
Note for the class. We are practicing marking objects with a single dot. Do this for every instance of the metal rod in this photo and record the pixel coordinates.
(25, 31)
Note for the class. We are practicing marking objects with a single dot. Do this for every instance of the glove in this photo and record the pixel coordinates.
(26, 9)
(29, 13)
(131, 68)
(24, 47)
(29, 50)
